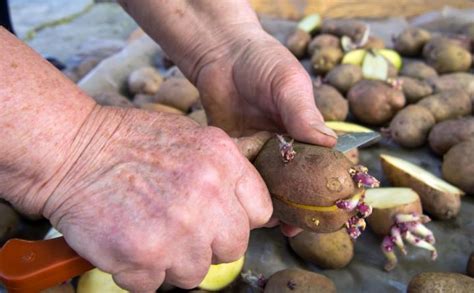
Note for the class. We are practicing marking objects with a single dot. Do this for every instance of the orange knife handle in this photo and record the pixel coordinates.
(31, 266)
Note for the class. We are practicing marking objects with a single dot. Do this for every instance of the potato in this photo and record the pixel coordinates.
(353, 155)
(295, 280)
(468, 30)
(374, 102)
(327, 250)
(178, 93)
(357, 57)
(447, 104)
(470, 266)
(174, 71)
(448, 133)
(386, 203)
(112, 99)
(344, 76)
(330, 102)
(344, 27)
(222, 275)
(410, 41)
(460, 81)
(9, 222)
(440, 282)
(458, 166)
(438, 197)
(298, 42)
(97, 281)
(410, 127)
(199, 116)
(374, 43)
(415, 89)
(303, 200)
(157, 107)
(142, 99)
(323, 41)
(419, 70)
(325, 59)
(145, 80)
(446, 57)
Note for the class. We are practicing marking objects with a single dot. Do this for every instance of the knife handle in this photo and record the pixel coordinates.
(31, 266)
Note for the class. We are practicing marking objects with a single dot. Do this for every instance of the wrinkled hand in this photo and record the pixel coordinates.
(155, 197)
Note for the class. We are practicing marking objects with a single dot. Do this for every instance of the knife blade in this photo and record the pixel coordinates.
(350, 141)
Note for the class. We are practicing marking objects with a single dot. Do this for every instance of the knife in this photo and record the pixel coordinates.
(31, 266)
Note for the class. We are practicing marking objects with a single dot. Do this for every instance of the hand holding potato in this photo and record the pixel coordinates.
(155, 197)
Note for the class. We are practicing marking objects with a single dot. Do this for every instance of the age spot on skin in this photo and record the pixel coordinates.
(13, 65)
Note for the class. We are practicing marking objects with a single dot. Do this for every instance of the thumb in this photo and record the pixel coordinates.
(250, 146)
(298, 112)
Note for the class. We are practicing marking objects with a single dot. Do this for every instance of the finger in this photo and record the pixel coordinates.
(289, 231)
(139, 281)
(250, 146)
(295, 103)
(254, 197)
(190, 268)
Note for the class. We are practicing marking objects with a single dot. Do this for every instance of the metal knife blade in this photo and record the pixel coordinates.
(349, 141)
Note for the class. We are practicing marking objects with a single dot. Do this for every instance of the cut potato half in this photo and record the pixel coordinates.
(98, 281)
(386, 203)
(221, 275)
(439, 198)
(346, 127)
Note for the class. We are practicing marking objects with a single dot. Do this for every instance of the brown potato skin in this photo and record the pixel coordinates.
(344, 76)
(419, 70)
(298, 42)
(374, 43)
(322, 41)
(112, 99)
(381, 220)
(178, 93)
(331, 103)
(295, 280)
(446, 56)
(458, 166)
(157, 107)
(448, 133)
(9, 222)
(461, 81)
(470, 266)
(325, 59)
(374, 102)
(291, 181)
(448, 104)
(145, 80)
(344, 27)
(415, 89)
(326, 250)
(410, 41)
(353, 155)
(410, 127)
(440, 282)
(439, 204)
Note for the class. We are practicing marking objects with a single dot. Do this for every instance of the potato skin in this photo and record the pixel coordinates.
(470, 266)
(112, 99)
(448, 133)
(295, 280)
(344, 76)
(460, 81)
(325, 59)
(440, 282)
(458, 166)
(145, 80)
(344, 27)
(419, 70)
(415, 89)
(326, 250)
(322, 41)
(331, 103)
(292, 182)
(374, 43)
(410, 41)
(410, 127)
(381, 220)
(439, 204)
(448, 104)
(374, 102)
(447, 57)
(298, 42)
(178, 93)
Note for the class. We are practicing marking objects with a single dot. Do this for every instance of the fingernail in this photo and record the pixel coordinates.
(321, 127)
